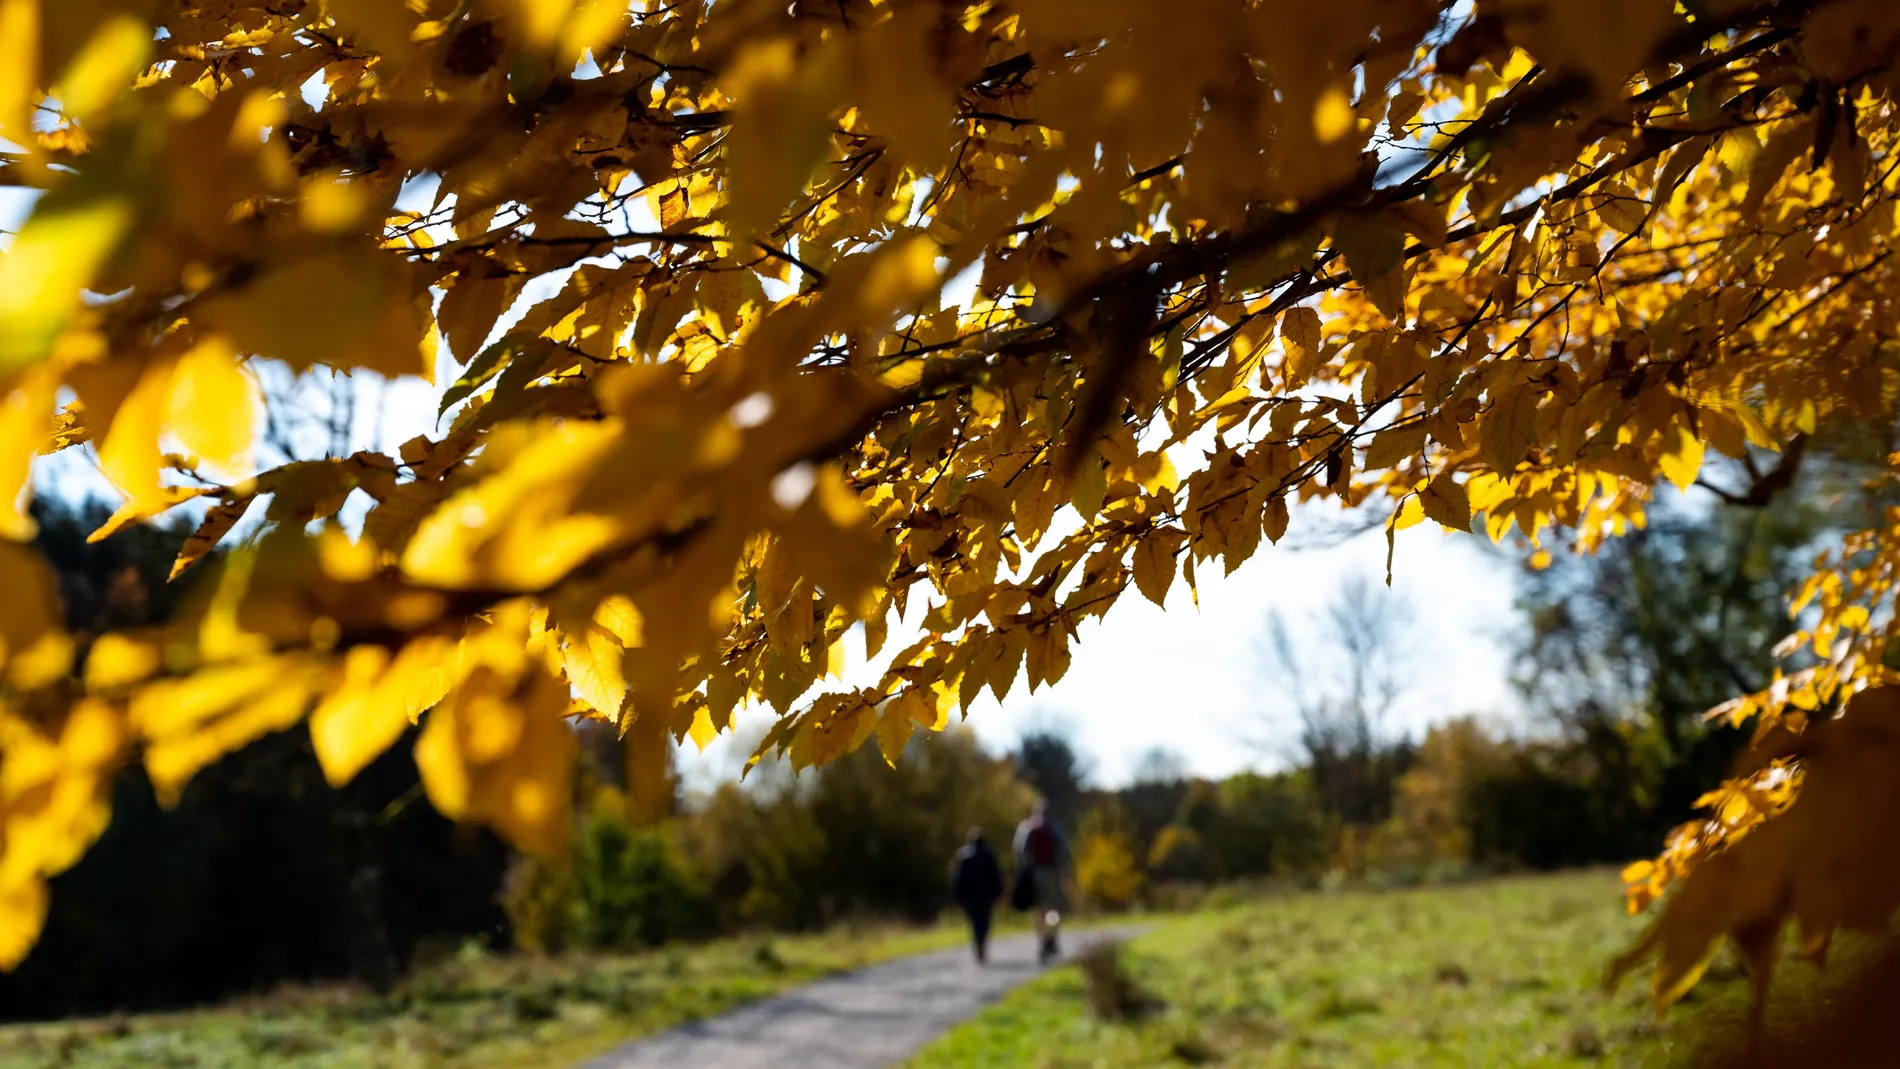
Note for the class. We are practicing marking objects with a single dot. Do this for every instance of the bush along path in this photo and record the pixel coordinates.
(869, 1019)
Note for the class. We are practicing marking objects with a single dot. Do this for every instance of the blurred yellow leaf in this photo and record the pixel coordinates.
(487, 754)
(190, 722)
(513, 526)
(1333, 116)
(19, 81)
(117, 660)
(373, 699)
(783, 102)
(904, 97)
(55, 256)
(32, 600)
(55, 791)
(703, 731)
(105, 67)
(649, 768)
(26, 403)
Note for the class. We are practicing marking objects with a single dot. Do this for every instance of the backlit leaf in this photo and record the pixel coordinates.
(1682, 460)
(213, 406)
(1445, 500)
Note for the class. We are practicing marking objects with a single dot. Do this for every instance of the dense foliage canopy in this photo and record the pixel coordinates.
(1503, 265)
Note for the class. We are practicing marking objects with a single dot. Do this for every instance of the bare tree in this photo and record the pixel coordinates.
(1343, 677)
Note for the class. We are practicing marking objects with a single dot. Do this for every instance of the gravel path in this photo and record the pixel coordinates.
(870, 1019)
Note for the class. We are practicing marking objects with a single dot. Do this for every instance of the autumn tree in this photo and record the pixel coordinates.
(1498, 266)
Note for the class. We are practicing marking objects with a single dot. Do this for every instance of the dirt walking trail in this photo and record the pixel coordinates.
(870, 1019)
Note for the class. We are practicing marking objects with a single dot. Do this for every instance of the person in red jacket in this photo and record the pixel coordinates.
(1042, 857)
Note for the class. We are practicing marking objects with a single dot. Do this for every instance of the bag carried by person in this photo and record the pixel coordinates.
(1022, 892)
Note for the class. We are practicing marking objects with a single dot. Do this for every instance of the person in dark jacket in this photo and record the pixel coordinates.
(976, 882)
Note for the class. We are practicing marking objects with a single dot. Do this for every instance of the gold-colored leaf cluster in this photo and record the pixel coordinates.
(715, 406)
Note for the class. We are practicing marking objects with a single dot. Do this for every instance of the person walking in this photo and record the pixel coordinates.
(976, 882)
(1041, 855)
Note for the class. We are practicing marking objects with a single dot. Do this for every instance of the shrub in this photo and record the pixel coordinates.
(1106, 871)
(631, 887)
(624, 887)
(1265, 825)
(535, 896)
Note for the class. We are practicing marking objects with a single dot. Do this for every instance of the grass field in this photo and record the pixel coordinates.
(472, 1013)
(1499, 973)
(1496, 973)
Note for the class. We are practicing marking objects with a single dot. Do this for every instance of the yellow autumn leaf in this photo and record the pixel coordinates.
(130, 454)
(591, 660)
(899, 276)
(1682, 459)
(55, 800)
(23, 907)
(1299, 338)
(703, 731)
(513, 526)
(41, 663)
(1154, 568)
(895, 723)
(621, 618)
(1409, 513)
(1444, 499)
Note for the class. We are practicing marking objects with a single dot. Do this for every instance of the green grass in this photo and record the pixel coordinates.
(1499, 973)
(474, 1012)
